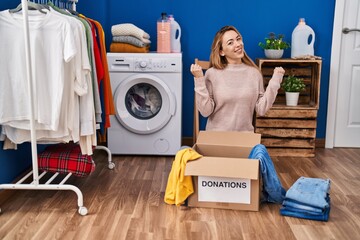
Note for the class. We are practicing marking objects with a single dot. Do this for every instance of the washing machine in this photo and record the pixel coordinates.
(147, 92)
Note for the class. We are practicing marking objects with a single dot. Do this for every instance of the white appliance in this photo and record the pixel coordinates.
(147, 92)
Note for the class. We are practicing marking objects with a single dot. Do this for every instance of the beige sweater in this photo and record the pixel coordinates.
(230, 96)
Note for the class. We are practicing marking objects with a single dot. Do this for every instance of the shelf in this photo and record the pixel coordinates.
(298, 107)
(286, 130)
(290, 60)
(308, 70)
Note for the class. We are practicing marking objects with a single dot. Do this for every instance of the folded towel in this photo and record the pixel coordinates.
(124, 29)
(132, 40)
(128, 48)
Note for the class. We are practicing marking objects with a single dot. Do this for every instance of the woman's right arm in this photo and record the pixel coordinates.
(203, 90)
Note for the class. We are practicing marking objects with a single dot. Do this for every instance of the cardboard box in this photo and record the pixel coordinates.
(224, 177)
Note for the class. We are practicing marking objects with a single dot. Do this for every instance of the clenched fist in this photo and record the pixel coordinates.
(196, 70)
(278, 74)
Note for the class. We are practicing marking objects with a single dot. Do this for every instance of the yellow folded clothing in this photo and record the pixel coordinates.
(128, 48)
(179, 186)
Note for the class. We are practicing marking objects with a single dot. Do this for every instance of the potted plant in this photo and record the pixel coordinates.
(292, 86)
(274, 45)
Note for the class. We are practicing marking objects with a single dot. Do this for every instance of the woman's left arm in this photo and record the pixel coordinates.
(267, 98)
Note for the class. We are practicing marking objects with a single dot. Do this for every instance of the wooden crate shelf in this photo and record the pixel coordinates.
(291, 131)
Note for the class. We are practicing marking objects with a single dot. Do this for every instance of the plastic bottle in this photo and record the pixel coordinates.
(175, 35)
(300, 45)
(163, 34)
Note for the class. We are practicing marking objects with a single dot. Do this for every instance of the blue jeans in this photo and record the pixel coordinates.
(308, 198)
(289, 204)
(272, 189)
(318, 217)
(323, 215)
(310, 192)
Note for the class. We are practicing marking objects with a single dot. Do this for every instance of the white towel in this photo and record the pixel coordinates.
(124, 29)
(132, 40)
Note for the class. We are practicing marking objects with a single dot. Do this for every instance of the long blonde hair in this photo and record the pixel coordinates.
(220, 62)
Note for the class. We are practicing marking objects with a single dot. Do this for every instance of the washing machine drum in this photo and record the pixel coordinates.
(144, 103)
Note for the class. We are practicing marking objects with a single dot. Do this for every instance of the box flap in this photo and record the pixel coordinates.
(222, 150)
(244, 139)
(223, 167)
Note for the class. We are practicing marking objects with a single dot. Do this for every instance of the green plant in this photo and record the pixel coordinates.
(274, 42)
(293, 84)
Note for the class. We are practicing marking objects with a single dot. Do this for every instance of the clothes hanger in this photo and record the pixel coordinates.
(68, 7)
(31, 6)
(44, 4)
(73, 12)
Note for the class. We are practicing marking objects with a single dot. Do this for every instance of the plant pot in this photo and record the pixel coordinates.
(292, 98)
(273, 53)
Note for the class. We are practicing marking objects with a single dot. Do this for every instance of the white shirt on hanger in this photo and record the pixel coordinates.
(76, 74)
(52, 45)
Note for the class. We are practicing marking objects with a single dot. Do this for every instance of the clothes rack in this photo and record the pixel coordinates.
(33, 176)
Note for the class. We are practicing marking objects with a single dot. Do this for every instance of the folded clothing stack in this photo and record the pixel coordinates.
(129, 38)
(66, 158)
(308, 198)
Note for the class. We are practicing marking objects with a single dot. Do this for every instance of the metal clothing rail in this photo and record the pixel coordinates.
(35, 183)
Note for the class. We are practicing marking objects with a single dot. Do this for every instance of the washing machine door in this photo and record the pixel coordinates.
(144, 103)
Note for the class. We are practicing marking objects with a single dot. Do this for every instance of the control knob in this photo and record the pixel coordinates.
(143, 64)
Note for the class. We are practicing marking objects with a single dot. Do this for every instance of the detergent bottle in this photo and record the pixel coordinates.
(302, 40)
(175, 35)
(163, 34)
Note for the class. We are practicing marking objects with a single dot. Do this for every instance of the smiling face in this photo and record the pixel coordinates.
(232, 47)
(228, 47)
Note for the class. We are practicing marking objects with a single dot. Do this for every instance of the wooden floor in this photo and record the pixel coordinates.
(127, 203)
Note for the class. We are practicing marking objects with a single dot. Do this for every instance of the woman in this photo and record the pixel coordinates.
(232, 88)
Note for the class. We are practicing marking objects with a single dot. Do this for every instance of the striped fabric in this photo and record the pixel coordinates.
(66, 158)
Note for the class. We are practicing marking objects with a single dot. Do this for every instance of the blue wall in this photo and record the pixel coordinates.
(199, 21)
(14, 162)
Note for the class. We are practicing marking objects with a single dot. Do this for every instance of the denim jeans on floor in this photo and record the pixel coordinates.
(290, 204)
(319, 217)
(310, 192)
(308, 198)
(301, 213)
(272, 189)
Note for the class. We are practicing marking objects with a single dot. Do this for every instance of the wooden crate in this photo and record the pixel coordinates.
(291, 131)
(308, 70)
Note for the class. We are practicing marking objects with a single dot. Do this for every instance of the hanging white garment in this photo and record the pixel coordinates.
(53, 43)
(75, 94)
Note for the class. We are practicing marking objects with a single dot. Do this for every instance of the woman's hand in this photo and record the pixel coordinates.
(278, 74)
(196, 70)
(279, 70)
